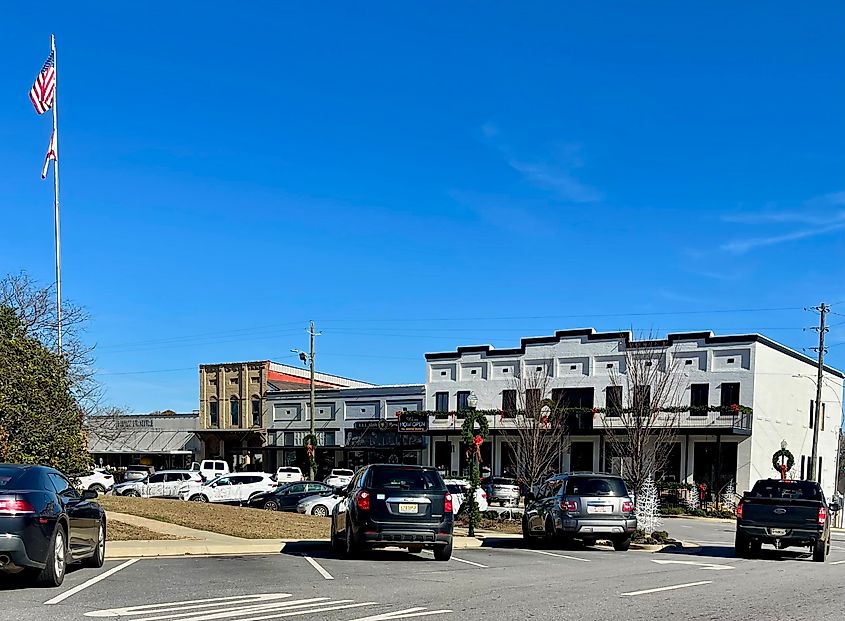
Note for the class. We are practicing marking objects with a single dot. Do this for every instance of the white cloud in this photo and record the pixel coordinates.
(560, 181)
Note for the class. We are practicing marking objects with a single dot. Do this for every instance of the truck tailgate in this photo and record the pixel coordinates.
(781, 513)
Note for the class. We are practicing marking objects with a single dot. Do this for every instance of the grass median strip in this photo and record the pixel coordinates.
(121, 531)
(223, 519)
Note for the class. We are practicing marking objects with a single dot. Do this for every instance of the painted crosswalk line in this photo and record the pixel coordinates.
(262, 607)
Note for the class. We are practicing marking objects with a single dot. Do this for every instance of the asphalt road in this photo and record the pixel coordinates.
(510, 582)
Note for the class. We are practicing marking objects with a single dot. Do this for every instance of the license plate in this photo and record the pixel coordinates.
(778, 532)
(407, 508)
(599, 508)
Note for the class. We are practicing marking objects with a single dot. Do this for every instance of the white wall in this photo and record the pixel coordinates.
(782, 412)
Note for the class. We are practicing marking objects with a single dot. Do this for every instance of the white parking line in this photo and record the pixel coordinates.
(258, 607)
(571, 558)
(318, 567)
(669, 588)
(404, 614)
(63, 596)
(460, 560)
(837, 562)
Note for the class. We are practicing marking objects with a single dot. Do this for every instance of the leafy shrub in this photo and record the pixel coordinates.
(672, 511)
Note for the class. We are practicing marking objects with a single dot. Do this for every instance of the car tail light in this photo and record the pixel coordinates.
(627, 506)
(822, 516)
(569, 505)
(447, 507)
(739, 511)
(13, 505)
(363, 500)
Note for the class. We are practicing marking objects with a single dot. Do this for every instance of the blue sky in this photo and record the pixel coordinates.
(417, 176)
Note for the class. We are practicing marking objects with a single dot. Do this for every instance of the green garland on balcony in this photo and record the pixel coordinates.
(673, 409)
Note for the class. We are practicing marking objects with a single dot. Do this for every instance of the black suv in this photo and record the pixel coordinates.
(386, 505)
(585, 506)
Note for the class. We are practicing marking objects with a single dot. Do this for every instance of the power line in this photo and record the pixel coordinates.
(573, 316)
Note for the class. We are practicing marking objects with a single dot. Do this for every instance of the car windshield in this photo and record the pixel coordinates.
(498, 481)
(342, 473)
(295, 470)
(406, 478)
(455, 489)
(798, 490)
(595, 486)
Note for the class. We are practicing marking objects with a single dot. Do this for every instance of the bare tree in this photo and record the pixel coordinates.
(641, 418)
(540, 427)
(35, 306)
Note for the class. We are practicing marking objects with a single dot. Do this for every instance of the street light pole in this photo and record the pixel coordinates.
(312, 428)
(472, 403)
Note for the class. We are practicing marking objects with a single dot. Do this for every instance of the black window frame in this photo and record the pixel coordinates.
(642, 393)
(509, 401)
(462, 398)
(214, 413)
(533, 399)
(727, 390)
(439, 398)
(235, 411)
(699, 402)
(613, 402)
(255, 405)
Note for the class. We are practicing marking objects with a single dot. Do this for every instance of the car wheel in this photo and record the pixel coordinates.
(337, 546)
(99, 556)
(549, 533)
(443, 553)
(96, 487)
(820, 551)
(320, 511)
(271, 505)
(621, 544)
(198, 498)
(133, 493)
(742, 546)
(351, 549)
(526, 532)
(53, 573)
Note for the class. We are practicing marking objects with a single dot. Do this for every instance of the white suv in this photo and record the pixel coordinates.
(98, 480)
(339, 477)
(231, 488)
(289, 474)
(162, 484)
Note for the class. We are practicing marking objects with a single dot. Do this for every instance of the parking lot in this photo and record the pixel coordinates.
(506, 582)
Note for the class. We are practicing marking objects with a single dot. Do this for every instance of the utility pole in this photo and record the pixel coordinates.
(313, 404)
(813, 474)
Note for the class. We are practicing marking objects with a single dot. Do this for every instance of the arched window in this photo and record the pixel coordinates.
(213, 413)
(256, 411)
(235, 411)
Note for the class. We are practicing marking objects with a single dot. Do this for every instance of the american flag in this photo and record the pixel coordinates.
(51, 155)
(44, 89)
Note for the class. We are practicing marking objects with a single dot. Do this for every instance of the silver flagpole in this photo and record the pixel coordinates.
(56, 191)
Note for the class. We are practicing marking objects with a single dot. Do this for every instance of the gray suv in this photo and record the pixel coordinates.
(581, 506)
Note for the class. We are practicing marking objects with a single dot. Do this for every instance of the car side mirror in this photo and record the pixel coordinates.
(834, 506)
(529, 497)
(90, 494)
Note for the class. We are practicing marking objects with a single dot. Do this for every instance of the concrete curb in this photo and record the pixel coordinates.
(699, 519)
(176, 548)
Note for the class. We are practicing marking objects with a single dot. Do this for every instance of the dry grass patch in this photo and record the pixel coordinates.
(121, 531)
(223, 519)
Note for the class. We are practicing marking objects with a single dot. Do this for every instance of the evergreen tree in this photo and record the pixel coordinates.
(40, 421)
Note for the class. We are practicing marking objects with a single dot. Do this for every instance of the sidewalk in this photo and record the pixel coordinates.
(203, 543)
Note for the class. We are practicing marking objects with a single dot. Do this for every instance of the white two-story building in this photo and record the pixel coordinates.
(712, 447)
